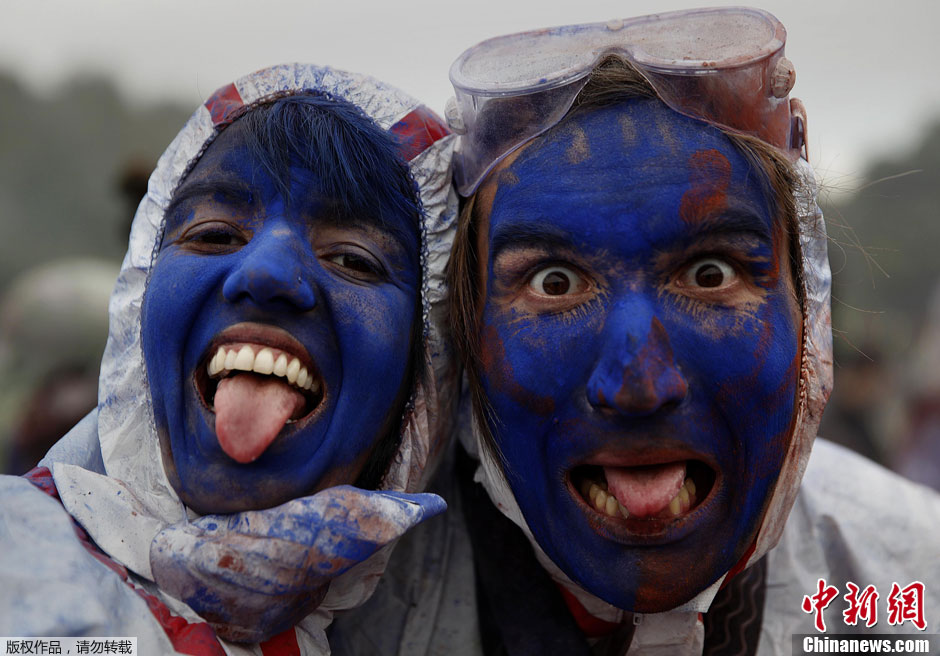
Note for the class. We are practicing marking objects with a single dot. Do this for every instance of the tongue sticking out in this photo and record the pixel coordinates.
(250, 411)
(645, 491)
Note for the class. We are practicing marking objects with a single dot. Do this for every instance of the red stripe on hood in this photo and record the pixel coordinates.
(193, 638)
(223, 103)
(417, 131)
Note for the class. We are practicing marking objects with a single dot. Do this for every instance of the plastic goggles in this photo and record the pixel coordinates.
(723, 65)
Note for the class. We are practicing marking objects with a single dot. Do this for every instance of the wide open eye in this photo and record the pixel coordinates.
(709, 273)
(556, 281)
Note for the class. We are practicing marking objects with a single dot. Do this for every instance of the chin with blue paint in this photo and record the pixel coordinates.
(639, 349)
(279, 322)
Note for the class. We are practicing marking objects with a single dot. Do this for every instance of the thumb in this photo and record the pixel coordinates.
(339, 520)
(418, 506)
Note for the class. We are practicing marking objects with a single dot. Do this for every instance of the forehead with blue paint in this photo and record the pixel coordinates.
(640, 348)
(279, 324)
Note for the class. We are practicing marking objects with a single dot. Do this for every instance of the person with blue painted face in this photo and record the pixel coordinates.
(641, 301)
(276, 386)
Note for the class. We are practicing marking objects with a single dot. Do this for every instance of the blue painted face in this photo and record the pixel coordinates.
(640, 348)
(321, 309)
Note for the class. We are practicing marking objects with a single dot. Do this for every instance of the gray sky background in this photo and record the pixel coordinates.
(867, 73)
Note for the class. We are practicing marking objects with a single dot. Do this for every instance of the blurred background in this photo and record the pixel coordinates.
(92, 92)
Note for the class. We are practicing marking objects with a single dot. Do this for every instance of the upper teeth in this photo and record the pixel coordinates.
(266, 361)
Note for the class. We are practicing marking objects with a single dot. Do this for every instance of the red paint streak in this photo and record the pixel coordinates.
(592, 627)
(230, 562)
(652, 378)
(223, 103)
(779, 249)
(739, 566)
(417, 131)
(710, 177)
(283, 644)
(196, 639)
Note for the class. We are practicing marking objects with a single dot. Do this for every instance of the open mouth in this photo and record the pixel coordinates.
(255, 389)
(664, 491)
(263, 361)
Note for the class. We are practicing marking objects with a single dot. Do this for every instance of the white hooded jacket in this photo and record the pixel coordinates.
(109, 471)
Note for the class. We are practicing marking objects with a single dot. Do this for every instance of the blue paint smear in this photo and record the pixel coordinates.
(628, 201)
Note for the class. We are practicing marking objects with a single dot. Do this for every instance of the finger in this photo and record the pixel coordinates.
(373, 516)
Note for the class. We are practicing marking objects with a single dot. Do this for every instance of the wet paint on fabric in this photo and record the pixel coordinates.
(256, 573)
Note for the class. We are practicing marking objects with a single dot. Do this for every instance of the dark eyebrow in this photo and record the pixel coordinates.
(341, 219)
(233, 191)
(403, 237)
(735, 219)
(528, 234)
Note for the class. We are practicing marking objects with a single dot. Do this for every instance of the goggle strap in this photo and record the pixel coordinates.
(798, 133)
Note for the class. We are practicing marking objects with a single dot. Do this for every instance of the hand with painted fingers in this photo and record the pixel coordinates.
(256, 573)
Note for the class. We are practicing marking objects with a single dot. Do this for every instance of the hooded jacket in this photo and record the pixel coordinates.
(81, 565)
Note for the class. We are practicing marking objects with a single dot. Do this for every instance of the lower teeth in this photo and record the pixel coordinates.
(596, 495)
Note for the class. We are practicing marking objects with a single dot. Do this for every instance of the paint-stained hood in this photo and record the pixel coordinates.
(816, 366)
(813, 393)
(125, 423)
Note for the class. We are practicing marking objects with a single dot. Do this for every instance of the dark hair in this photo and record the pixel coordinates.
(361, 172)
(357, 164)
(613, 80)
